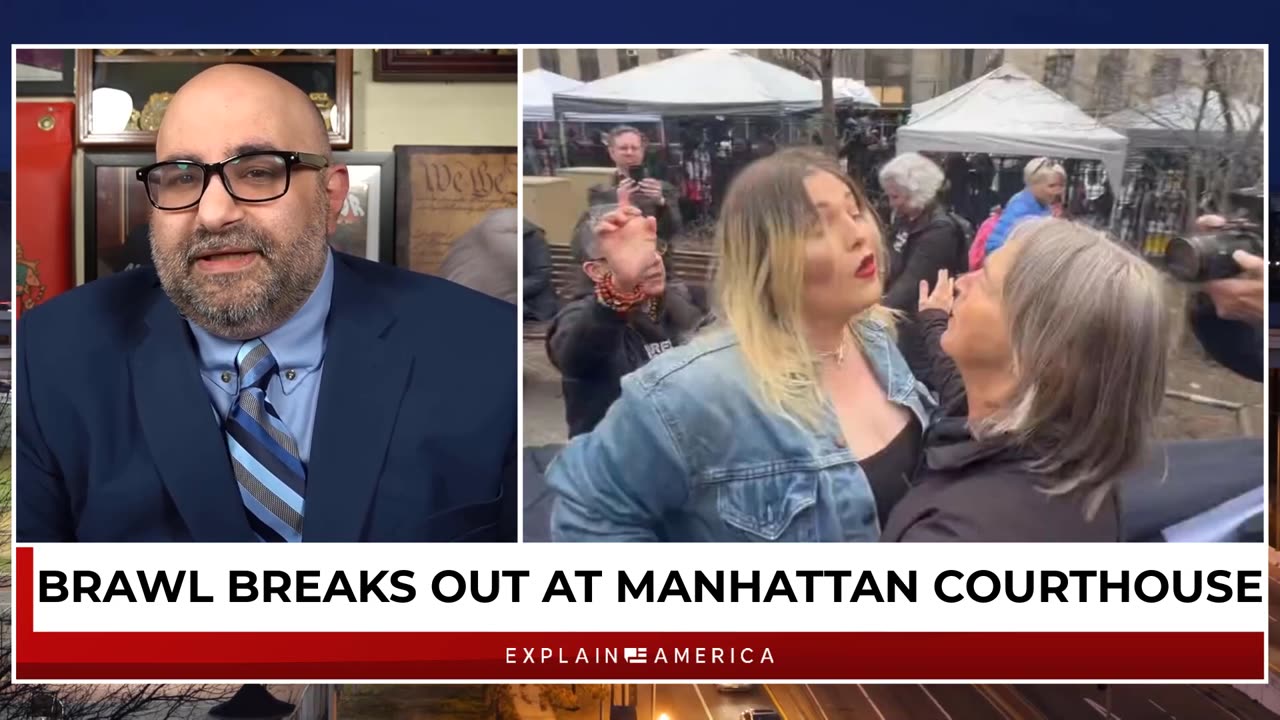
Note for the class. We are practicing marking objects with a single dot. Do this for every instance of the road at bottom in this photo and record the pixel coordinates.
(890, 702)
(1143, 702)
(961, 702)
(703, 702)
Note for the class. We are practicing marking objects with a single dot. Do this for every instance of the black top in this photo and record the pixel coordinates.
(593, 347)
(891, 468)
(917, 251)
(973, 490)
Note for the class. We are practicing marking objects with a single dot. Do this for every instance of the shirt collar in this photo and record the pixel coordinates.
(298, 345)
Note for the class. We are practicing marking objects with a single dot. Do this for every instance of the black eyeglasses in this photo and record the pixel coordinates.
(252, 177)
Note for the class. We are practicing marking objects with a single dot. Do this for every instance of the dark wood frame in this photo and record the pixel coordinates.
(386, 197)
(405, 66)
(339, 139)
(404, 183)
(92, 162)
(66, 87)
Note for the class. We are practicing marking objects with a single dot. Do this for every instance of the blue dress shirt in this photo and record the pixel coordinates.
(298, 347)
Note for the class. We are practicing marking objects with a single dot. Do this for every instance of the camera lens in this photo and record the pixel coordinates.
(1184, 258)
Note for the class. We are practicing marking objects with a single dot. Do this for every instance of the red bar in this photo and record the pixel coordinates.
(319, 656)
(484, 656)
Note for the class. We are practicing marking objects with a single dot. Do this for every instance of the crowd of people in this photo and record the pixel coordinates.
(849, 379)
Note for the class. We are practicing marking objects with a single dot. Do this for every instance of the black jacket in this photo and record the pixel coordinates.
(667, 214)
(967, 490)
(593, 347)
(540, 301)
(918, 250)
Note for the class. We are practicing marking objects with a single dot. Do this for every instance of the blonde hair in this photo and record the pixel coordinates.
(1090, 331)
(1039, 167)
(765, 222)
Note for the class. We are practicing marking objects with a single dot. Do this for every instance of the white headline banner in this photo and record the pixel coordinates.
(778, 587)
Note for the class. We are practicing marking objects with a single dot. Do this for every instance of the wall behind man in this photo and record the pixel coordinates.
(387, 114)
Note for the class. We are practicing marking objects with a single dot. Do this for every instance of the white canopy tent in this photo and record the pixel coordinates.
(719, 81)
(1169, 121)
(1005, 112)
(536, 89)
(848, 91)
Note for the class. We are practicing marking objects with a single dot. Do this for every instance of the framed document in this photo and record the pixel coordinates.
(442, 192)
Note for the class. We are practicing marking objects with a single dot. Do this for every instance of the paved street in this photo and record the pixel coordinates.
(701, 702)
(1023, 702)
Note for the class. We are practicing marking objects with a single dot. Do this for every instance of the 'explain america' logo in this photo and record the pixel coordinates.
(639, 656)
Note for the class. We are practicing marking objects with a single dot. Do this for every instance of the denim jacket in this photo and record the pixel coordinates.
(688, 453)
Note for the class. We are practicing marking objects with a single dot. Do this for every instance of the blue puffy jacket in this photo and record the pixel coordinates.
(1021, 207)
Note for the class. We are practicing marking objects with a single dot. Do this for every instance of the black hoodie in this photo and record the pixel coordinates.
(593, 347)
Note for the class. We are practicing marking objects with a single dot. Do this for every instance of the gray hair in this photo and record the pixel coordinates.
(1040, 167)
(585, 244)
(621, 130)
(1090, 330)
(916, 174)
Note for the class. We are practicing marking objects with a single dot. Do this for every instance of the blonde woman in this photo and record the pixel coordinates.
(792, 422)
(1045, 181)
(1059, 346)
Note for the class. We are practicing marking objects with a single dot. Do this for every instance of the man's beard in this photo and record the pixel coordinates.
(252, 302)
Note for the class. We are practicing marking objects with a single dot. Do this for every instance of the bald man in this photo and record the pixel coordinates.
(255, 385)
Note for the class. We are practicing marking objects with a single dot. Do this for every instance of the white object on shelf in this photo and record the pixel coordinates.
(110, 110)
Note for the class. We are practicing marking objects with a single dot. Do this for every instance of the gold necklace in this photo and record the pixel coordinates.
(837, 354)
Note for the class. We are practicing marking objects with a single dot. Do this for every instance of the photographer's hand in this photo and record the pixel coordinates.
(1240, 297)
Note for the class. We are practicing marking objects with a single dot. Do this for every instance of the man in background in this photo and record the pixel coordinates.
(656, 198)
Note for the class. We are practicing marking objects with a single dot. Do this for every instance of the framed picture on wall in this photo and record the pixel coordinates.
(116, 213)
(367, 224)
(428, 65)
(45, 73)
(442, 191)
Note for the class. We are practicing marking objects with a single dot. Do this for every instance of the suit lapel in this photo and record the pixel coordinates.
(181, 430)
(364, 380)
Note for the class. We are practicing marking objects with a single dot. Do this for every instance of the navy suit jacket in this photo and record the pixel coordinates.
(415, 428)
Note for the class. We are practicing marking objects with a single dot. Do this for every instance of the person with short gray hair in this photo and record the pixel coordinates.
(1045, 181)
(1051, 362)
(924, 237)
(626, 311)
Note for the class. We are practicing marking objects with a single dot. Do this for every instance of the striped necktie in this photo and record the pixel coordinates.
(264, 455)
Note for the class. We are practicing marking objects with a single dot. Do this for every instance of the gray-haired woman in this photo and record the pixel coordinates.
(924, 238)
(1053, 362)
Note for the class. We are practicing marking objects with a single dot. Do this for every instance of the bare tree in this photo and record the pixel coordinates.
(994, 60)
(1217, 126)
(817, 65)
(1236, 161)
(571, 697)
(101, 702)
(500, 699)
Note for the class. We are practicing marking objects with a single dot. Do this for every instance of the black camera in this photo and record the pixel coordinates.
(1207, 256)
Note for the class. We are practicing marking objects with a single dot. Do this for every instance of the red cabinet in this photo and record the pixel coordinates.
(42, 204)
